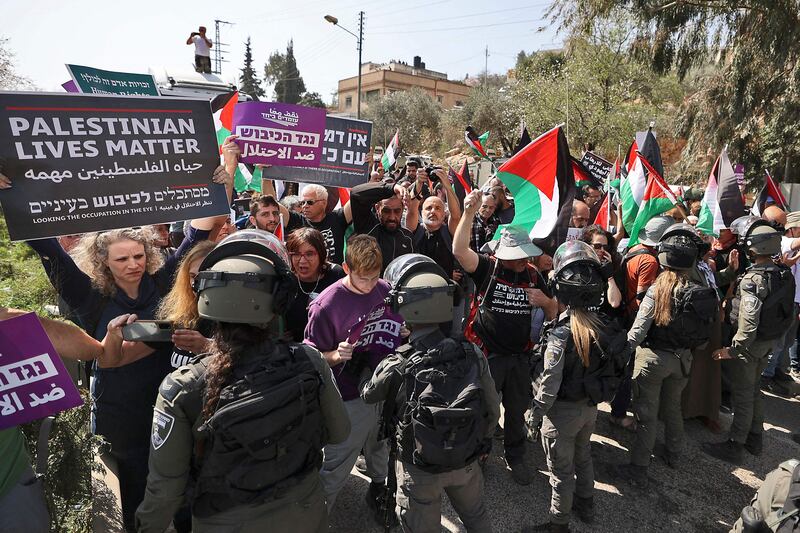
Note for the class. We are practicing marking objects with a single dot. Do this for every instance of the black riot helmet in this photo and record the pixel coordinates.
(577, 279)
(421, 292)
(677, 252)
(683, 228)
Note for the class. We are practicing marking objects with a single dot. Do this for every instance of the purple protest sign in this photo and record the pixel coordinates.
(70, 86)
(738, 171)
(279, 134)
(377, 333)
(33, 381)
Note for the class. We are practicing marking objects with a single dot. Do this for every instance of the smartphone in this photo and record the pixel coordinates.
(148, 331)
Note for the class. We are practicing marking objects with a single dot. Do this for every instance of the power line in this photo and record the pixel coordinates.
(468, 16)
(439, 30)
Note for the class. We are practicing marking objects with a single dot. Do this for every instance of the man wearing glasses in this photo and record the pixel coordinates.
(313, 204)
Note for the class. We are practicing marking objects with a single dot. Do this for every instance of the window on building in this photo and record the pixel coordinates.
(373, 95)
(459, 103)
(348, 102)
(440, 98)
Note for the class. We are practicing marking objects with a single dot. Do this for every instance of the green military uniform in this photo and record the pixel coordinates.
(175, 437)
(567, 411)
(770, 499)
(750, 356)
(419, 498)
(659, 377)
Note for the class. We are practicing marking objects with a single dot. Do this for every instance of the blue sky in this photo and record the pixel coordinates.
(450, 35)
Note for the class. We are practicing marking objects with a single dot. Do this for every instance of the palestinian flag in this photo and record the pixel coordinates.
(246, 176)
(524, 140)
(769, 190)
(652, 152)
(475, 142)
(582, 174)
(632, 189)
(280, 231)
(658, 198)
(541, 181)
(604, 214)
(390, 153)
(462, 184)
(722, 202)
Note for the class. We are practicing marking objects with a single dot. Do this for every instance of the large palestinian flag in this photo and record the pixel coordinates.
(541, 180)
(632, 188)
(722, 202)
(658, 198)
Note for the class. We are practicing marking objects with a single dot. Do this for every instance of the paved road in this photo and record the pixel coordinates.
(703, 495)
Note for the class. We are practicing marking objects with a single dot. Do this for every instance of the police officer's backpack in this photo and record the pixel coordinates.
(265, 435)
(777, 309)
(694, 308)
(445, 409)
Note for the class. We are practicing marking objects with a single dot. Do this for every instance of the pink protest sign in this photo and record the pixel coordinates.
(279, 134)
(33, 381)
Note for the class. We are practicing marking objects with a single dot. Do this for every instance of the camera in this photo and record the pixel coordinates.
(429, 170)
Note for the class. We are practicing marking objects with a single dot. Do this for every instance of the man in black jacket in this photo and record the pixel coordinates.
(385, 222)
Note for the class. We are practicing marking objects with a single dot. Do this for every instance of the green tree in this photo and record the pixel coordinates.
(281, 70)
(312, 100)
(594, 86)
(414, 112)
(248, 81)
(486, 109)
(744, 57)
(10, 79)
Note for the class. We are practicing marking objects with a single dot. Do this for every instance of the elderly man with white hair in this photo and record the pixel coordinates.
(313, 204)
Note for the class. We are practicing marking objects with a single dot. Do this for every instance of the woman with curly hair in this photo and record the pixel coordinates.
(112, 273)
(307, 252)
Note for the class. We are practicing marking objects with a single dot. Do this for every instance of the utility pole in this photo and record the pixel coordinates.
(486, 68)
(217, 49)
(360, 48)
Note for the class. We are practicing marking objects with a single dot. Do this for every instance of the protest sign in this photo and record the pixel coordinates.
(33, 381)
(88, 163)
(599, 168)
(279, 134)
(344, 156)
(96, 81)
(574, 234)
(738, 171)
(70, 86)
(378, 332)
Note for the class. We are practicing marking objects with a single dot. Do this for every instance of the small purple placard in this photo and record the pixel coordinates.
(33, 381)
(279, 134)
(70, 86)
(377, 333)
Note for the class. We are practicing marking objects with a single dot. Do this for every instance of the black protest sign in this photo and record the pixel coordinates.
(344, 156)
(599, 168)
(89, 163)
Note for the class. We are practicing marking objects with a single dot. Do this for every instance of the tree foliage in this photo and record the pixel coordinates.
(248, 81)
(596, 88)
(487, 109)
(281, 70)
(10, 79)
(414, 112)
(312, 100)
(744, 57)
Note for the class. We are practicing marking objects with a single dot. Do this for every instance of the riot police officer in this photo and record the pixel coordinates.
(442, 397)
(584, 359)
(675, 317)
(241, 429)
(761, 311)
(776, 505)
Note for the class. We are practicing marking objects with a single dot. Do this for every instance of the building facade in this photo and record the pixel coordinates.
(378, 80)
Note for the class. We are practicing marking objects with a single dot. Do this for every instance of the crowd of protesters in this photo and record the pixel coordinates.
(337, 255)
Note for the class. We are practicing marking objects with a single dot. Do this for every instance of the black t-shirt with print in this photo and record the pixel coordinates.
(332, 227)
(503, 321)
(178, 357)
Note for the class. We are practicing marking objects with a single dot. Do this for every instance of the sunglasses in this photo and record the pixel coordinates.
(598, 246)
(309, 202)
